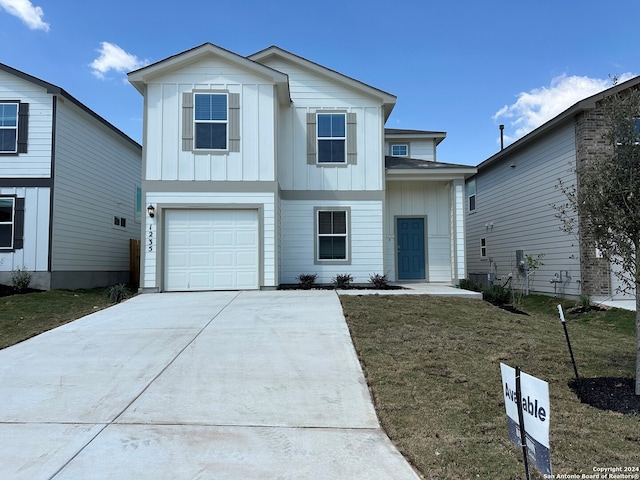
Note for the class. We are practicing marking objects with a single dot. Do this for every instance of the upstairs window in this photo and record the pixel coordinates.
(628, 144)
(211, 116)
(471, 195)
(332, 235)
(332, 136)
(8, 127)
(400, 150)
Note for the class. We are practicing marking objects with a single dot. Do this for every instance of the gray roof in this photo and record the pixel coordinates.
(569, 113)
(414, 163)
(400, 131)
(55, 90)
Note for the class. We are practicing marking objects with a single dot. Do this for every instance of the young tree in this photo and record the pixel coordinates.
(606, 197)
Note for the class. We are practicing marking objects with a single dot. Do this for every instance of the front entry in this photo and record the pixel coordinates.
(411, 251)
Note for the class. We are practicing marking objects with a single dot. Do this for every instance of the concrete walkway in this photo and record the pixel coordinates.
(224, 385)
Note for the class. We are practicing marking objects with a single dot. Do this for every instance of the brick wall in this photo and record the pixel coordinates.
(596, 273)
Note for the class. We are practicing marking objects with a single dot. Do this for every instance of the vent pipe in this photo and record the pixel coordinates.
(501, 137)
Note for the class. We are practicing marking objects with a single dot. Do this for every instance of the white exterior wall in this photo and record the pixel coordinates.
(297, 240)
(164, 158)
(421, 198)
(418, 149)
(514, 212)
(310, 93)
(458, 231)
(35, 253)
(152, 242)
(96, 174)
(36, 163)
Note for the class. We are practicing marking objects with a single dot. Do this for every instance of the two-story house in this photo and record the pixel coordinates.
(69, 188)
(510, 213)
(258, 169)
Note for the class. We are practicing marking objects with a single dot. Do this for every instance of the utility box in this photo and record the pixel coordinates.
(521, 264)
(485, 280)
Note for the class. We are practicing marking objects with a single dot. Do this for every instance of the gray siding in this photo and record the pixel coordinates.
(514, 212)
(96, 174)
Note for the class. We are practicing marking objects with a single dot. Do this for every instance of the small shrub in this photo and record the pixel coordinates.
(379, 281)
(307, 280)
(20, 279)
(342, 281)
(466, 284)
(118, 293)
(497, 294)
(585, 301)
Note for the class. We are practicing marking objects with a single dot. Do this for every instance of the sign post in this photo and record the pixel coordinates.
(566, 334)
(528, 412)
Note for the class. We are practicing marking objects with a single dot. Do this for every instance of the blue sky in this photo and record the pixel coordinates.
(462, 67)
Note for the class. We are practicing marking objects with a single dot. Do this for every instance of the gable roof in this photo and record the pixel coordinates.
(585, 104)
(138, 78)
(388, 100)
(57, 91)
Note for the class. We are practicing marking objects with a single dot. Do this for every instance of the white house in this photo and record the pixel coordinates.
(258, 169)
(510, 212)
(68, 187)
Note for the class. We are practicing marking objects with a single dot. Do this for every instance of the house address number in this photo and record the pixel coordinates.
(150, 239)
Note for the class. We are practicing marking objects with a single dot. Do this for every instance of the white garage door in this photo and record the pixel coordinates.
(211, 250)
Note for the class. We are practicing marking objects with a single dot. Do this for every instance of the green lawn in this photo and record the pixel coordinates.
(433, 368)
(23, 316)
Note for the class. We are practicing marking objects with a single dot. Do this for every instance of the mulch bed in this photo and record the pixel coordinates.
(608, 393)
(7, 291)
(297, 286)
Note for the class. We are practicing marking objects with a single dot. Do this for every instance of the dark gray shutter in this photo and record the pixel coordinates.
(23, 127)
(187, 121)
(234, 122)
(352, 142)
(311, 138)
(18, 224)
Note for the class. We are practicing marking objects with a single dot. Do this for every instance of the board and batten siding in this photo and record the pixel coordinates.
(165, 159)
(312, 93)
(36, 163)
(514, 212)
(152, 252)
(35, 252)
(96, 175)
(297, 241)
(421, 199)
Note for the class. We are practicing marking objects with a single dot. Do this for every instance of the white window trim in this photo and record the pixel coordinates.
(405, 145)
(15, 146)
(12, 222)
(196, 122)
(483, 247)
(317, 236)
(319, 139)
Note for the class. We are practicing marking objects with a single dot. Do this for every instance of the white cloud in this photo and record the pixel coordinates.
(539, 105)
(112, 57)
(25, 11)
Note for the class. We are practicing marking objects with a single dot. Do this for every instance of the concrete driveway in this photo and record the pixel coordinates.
(224, 385)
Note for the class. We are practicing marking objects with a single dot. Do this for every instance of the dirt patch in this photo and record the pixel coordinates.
(608, 393)
(7, 291)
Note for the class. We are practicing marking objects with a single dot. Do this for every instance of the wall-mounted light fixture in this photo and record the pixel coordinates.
(151, 211)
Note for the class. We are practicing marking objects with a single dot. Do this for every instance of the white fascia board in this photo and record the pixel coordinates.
(139, 78)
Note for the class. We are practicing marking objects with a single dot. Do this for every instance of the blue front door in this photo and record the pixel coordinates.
(411, 256)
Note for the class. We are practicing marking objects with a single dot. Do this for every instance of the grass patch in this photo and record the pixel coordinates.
(23, 316)
(432, 365)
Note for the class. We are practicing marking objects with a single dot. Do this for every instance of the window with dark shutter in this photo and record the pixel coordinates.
(211, 121)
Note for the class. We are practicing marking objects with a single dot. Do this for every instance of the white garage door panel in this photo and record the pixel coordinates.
(211, 250)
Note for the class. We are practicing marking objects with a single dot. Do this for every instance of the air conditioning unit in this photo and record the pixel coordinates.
(485, 280)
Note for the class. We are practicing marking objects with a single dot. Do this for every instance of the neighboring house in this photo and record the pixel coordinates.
(69, 181)
(258, 169)
(510, 212)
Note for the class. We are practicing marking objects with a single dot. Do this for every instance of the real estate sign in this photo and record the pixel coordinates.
(536, 412)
